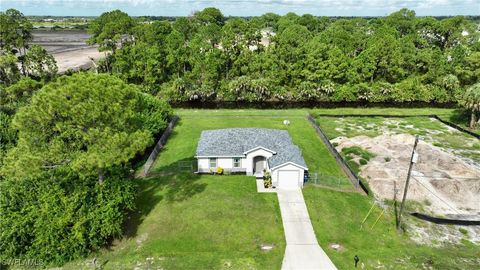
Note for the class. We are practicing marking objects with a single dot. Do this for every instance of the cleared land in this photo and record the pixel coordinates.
(445, 180)
(187, 221)
(69, 48)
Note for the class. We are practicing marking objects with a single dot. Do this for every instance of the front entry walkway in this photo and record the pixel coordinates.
(302, 251)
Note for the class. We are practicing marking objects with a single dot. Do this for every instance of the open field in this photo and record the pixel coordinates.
(69, 48)
(191, 221)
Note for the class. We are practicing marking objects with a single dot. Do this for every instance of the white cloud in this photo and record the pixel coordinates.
(319, 7)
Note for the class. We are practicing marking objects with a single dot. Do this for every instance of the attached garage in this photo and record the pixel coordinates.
(288, 176)
(288, 179)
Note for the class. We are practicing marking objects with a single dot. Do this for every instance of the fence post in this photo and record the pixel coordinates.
(354, 179)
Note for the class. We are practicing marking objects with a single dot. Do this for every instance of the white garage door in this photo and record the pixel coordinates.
(288, 179)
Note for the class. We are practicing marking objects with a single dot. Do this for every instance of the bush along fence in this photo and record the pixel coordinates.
(158, 147)
(357, 183)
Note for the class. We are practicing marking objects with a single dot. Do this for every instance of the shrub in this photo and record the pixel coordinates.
(463, 231)
(219, 170)
(248, 89)
(60, 216)
(267, 179)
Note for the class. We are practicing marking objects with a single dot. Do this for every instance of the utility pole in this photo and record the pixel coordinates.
(413, 159)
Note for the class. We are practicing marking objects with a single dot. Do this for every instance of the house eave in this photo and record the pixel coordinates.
(289, 162)
(214, 156)
(259, 147)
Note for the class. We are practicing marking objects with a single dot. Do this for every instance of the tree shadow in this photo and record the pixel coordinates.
(167, 184)
(459, 116)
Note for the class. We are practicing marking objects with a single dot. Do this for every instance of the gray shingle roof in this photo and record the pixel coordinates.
(234, 142)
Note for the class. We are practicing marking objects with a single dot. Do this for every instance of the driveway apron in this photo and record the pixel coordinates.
(302, 251)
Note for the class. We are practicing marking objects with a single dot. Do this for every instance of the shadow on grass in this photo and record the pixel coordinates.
(459, 117)
(170, 187)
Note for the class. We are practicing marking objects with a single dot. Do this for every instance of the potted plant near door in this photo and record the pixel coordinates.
(267, 179)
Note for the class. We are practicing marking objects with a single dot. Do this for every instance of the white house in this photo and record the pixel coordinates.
(250, 151)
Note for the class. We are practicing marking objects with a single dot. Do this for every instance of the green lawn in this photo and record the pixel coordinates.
(187, 221)
(198, 222)
(336, 218)
(183, 141)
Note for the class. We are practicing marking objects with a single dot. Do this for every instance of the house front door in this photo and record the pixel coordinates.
(258, 164)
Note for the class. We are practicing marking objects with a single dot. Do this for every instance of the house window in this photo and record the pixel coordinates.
(236, 162)
(213, 162)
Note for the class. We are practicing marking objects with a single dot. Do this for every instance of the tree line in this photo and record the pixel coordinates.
(67, 144)
(207, 57)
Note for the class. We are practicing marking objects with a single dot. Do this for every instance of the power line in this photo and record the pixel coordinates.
(453, 208)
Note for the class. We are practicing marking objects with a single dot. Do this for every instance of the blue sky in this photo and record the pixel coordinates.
(243, 7)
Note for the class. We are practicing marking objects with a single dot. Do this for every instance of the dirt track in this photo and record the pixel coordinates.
(77, 59)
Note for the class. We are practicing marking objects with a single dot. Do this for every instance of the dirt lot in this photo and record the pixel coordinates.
(446, 184)
(69, 48)
(445, 180)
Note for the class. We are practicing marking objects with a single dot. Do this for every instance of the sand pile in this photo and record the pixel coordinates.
(445, 184)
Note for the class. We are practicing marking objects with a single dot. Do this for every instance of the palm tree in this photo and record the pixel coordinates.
(471, 101)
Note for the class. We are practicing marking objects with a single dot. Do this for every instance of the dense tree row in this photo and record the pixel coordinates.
(206, 57)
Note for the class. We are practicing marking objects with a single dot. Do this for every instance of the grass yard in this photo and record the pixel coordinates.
(198, 222)
(183, 141)
(187, 221)
(336, 218)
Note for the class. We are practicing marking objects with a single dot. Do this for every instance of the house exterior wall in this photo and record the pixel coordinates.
(288, 167)
(225, 163)
(203, 165)
(248, 162)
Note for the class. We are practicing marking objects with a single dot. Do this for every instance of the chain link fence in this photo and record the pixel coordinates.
(336, 182)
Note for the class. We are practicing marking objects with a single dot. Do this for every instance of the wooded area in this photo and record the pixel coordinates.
(207, 57)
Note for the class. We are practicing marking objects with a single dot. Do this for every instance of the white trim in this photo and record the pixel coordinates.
(289, 162)
(259, 147)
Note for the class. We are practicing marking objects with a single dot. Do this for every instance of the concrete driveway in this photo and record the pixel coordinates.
(302, 251)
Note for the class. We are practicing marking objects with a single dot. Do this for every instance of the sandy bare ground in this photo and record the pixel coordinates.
(69, 47)
(442, 184)
(445, 184)
(77, 59)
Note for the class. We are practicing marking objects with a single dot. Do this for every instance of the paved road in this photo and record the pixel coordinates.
(303, 251)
